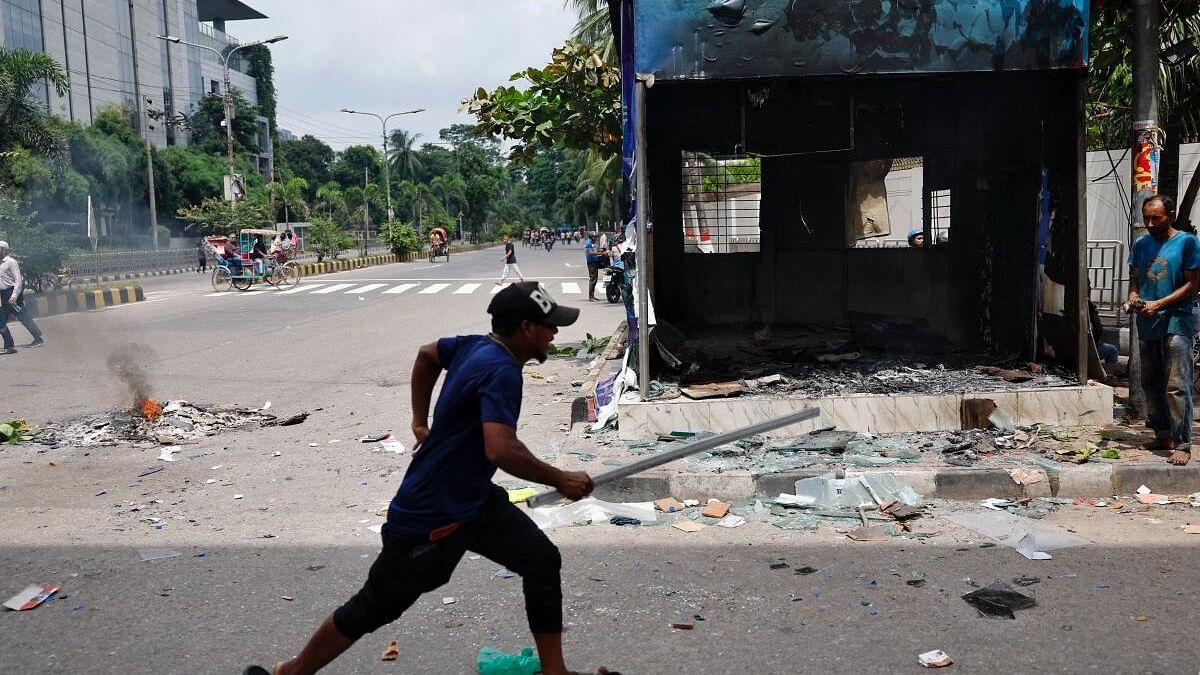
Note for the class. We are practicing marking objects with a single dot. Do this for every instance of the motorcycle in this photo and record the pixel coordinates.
(614, 279)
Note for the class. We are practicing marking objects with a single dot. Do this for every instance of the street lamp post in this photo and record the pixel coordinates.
(387, 179)
(227, 100)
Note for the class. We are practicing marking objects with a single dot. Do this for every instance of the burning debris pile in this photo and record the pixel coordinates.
(150, 421)
(153, 423)
(824, 363)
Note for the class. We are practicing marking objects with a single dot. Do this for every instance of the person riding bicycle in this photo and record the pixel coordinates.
(232, 255)
(259, 254)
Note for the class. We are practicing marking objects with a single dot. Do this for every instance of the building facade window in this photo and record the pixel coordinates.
(22, 21)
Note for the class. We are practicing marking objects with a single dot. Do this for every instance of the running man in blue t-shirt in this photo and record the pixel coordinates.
(447, 504)
(1164, 277)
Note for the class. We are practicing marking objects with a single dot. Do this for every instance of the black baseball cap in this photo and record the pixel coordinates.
(530, 301)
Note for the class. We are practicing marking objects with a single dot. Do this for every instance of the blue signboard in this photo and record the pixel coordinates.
(722, 39)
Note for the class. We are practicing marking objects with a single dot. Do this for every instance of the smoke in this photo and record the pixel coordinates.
(126, 363)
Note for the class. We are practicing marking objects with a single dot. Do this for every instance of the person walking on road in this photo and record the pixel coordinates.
(591, 255)
(201, 257)
(1164, 277)
(11, 304)
(510, 261)
(447, 504)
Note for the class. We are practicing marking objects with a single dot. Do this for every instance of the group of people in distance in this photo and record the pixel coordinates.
(230, 253)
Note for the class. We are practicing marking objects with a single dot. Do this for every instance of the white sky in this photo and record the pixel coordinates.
(388, 56)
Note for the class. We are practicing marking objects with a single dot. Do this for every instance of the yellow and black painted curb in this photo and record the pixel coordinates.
(331, 266)
(79, 301)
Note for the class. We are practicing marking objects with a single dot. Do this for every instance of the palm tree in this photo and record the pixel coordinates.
(402, 155)
(330, 199)
(24, 120)
(291, 194)
(598, 190)
(594, 27)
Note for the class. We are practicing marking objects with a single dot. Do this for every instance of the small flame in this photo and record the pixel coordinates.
(151, 409)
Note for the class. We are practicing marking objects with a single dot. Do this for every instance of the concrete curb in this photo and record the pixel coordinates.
(355, 263)
(954, 483)
(136, 275)
(79, 301)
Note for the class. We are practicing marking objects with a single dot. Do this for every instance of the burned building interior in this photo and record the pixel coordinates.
(763, 185)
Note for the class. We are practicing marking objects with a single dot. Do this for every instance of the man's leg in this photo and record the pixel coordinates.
(1179, 395)
(593, 272)
(5, 336)
(1154, 385)
(507, 536)
(26, 320)
(397, 578)
(517, 269)
(503, 275)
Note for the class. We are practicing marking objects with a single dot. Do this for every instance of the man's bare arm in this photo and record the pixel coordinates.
(506, 451)
(1186, 292)
(425, 372)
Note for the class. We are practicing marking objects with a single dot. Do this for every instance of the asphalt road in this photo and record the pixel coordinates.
(255, 574)
(328, 341)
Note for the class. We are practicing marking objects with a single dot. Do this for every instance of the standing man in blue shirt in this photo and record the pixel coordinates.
(447, 504)
(591, 255)
(1164, 277)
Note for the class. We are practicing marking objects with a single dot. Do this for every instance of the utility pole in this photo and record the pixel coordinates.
(461, 235)
(366, 211)
(387, 179)
(1148, 140)
(227, 101)
(150, 174)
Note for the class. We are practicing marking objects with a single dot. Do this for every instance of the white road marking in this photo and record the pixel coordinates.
(570, 288)
(334, 288)
(366, 289)
(433, 288)
(497, 289)
(400, 289)
(467, 289)
(301, 289)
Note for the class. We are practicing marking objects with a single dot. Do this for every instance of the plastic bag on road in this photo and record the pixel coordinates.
(590, 510)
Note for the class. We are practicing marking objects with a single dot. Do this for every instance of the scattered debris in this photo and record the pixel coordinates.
(682, 626)
(298, 418)
(668, 505)
(624, 520)
(590, 510)
(731, 521)
(688, 526)
(998, 601)
(520, 495)
(449, 600)
(494, 662)
(713, 390)
(17, 431)
(806, 570)
(715, 509)
(166, 453)
(1026, 476)
(935, 659)
(178, 422)
(31, 597)
(391, 653)
(1026, 581)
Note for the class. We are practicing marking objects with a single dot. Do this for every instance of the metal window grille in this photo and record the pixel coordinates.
(722, 195)
(1107, 276)
(939, 214)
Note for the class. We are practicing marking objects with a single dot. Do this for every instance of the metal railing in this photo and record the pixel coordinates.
(1106, 274)
(89, 265)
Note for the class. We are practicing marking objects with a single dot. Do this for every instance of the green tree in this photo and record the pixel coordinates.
(309, 158)
(332, 203)
(347, 170)
(574, 101)
(327, 240)
(289, 196)
(403, 159)
(217, 216)
(24, 121)
(39, 250)
(208, 134)
(188, 178)
(400, 237)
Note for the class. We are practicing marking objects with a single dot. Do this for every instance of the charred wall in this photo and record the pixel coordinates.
(984, 137)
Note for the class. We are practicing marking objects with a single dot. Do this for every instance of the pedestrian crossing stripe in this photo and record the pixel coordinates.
(400, 289)
(567, 288)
